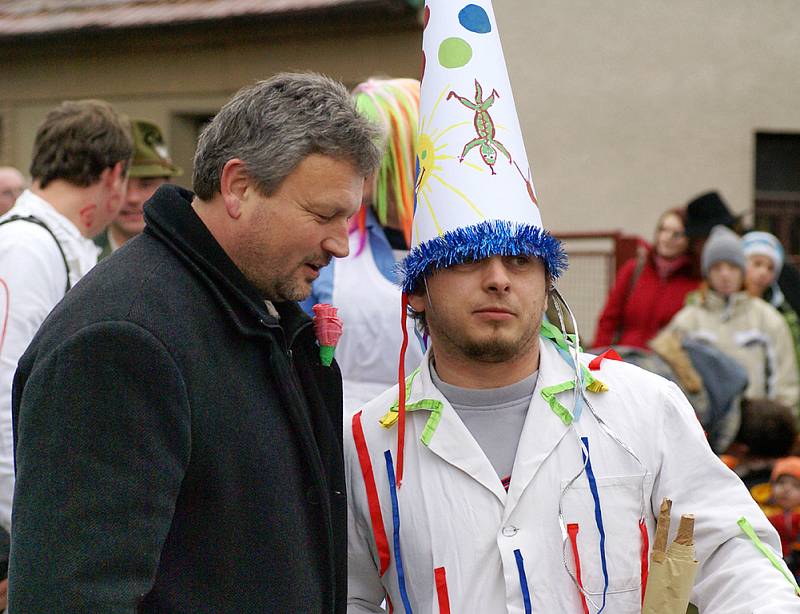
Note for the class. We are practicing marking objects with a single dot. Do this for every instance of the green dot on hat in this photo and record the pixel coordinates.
(454, 52)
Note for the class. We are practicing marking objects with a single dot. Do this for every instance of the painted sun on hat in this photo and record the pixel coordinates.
(474, 192)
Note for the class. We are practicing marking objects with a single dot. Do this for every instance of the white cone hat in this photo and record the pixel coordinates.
(474, 187)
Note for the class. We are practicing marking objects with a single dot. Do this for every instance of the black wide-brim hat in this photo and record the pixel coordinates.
(705, 212)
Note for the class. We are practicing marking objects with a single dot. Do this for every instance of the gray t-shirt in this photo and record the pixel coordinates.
(494, 417)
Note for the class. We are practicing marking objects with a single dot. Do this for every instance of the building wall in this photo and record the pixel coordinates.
(628, 108)
(179, 79)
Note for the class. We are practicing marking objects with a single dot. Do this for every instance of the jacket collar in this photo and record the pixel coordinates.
(541, 433)
(714, 301)
(170, 218)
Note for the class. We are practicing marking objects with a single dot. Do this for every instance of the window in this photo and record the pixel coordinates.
(184, 130)
(778, 188)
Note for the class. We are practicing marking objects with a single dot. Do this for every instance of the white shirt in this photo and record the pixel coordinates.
(369, 349)
(457, 523)
(32, 280)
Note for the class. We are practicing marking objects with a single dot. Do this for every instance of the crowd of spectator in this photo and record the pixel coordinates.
(708, 305)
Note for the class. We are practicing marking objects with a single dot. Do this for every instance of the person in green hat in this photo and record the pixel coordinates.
(151, 167)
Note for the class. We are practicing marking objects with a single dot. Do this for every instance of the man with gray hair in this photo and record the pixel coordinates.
(178, 440)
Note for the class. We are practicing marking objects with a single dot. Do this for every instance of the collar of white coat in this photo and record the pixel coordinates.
(446, 435)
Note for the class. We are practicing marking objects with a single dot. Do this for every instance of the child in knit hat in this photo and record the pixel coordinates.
(744, 327)
(765, 256)
(785, 483)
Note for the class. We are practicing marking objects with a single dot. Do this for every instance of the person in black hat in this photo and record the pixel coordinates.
(705, 212)
(708, 210)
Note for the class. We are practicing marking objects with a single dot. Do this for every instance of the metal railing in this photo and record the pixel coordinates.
(594, 258)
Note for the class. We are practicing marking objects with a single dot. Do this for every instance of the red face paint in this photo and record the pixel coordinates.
(88, 214)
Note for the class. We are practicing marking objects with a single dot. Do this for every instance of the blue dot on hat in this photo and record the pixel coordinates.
(475, 19)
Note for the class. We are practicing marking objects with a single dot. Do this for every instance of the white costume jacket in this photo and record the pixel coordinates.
(467, 546)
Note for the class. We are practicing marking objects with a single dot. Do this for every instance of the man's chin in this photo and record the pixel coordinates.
(294, 290)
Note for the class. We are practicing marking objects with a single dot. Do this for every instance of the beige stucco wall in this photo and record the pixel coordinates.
(629, 108)
(172, 77)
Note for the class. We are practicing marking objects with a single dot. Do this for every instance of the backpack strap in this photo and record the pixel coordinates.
(35, 220)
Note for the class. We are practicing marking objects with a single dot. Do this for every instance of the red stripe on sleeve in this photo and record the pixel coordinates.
(440, 578)
(375, 515)
(645, 553)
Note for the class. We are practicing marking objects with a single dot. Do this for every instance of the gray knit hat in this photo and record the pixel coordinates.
(723, 245)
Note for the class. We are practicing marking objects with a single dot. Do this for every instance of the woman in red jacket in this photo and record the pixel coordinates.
(650, 288)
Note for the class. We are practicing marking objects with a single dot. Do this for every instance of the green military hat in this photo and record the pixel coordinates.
(150, 155)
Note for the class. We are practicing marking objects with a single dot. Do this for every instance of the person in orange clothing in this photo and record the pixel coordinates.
(650, 288)
(785, 485)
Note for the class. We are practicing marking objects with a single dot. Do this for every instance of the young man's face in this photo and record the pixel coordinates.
(96, 216)
(760, 273)
(786, 491)
(487, 311)
(286, 238)
(130, 219)
(725, 278)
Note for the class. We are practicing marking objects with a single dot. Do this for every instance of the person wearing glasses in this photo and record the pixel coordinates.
(650, 288)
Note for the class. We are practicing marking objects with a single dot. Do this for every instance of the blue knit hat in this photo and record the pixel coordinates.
(765, 244)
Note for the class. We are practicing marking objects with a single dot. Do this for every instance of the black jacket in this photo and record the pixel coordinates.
(177, 448)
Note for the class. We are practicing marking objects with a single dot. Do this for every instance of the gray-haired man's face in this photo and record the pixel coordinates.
(293, 233)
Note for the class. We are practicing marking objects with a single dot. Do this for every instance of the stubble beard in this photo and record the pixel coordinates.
(287, 286)
(493, 350)
(289, 289)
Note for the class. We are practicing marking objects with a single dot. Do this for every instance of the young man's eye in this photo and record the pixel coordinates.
(467, 261)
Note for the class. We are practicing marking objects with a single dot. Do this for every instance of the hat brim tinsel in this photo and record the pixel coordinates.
(479, 241)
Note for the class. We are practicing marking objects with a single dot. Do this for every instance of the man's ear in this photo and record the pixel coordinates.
(417, 301)
(112, 176)
(233, 184)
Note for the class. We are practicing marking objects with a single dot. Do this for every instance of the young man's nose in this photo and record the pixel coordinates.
(495, 275)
